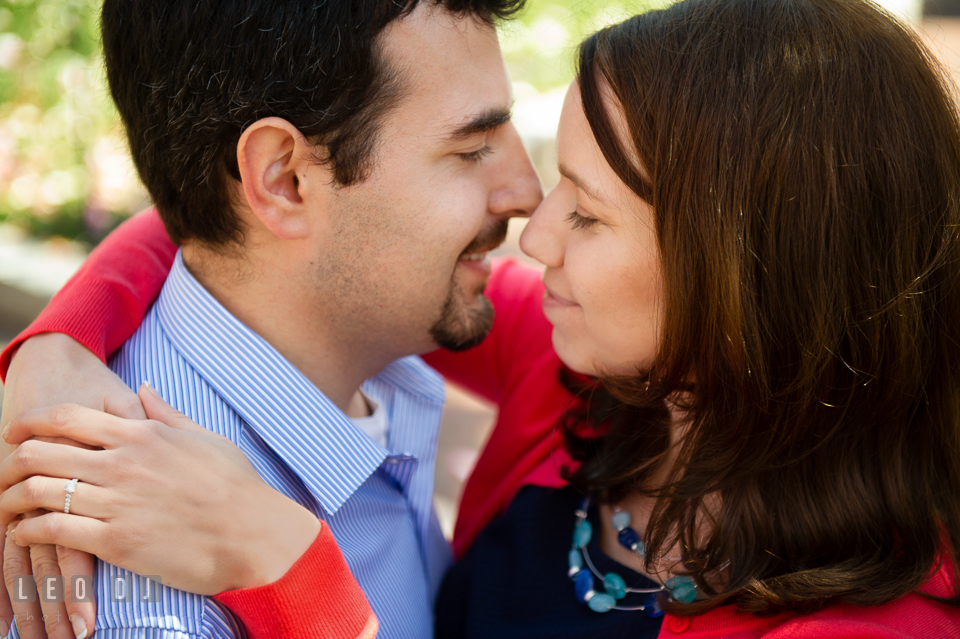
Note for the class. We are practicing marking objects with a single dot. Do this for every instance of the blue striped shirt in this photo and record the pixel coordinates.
(378, 502)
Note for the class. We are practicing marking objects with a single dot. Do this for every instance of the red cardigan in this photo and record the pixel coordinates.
(516, 368)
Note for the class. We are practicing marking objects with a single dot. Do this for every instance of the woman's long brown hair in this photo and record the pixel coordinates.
(803, 160)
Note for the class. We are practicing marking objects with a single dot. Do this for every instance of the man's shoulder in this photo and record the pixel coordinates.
(148, 349)
(148, 338)
(151, 356)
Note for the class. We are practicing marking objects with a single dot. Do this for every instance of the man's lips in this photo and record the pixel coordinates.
(488, 240)
(476, 259)
(476, 255)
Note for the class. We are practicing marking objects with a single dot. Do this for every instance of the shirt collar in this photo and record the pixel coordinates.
(305, 429)
(412, 375)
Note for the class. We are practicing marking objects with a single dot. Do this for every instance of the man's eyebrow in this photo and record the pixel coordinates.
(578, 182)
(481, 123)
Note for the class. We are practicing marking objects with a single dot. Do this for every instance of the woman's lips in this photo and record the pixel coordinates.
(552, 299)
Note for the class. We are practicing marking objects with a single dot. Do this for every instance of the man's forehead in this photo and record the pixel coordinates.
(433, 46)
(453, 76)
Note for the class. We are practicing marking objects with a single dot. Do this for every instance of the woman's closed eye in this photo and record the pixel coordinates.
(578, 221)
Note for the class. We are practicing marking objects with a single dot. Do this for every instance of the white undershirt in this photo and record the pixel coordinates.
(375, 425)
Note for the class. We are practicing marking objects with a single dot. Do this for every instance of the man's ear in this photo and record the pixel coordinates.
(273, 157)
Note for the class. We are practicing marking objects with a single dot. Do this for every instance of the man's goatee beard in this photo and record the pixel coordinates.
(461, 327)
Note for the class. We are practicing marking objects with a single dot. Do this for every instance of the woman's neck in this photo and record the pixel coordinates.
(641, 506)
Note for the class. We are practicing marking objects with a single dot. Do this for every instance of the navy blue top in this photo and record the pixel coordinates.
(513, 581)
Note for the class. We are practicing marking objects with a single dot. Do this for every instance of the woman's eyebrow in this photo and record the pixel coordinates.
(578, 182)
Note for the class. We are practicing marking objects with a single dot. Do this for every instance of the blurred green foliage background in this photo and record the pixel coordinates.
(64, 168)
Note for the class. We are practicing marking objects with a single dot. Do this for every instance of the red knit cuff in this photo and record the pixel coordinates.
(318, 597)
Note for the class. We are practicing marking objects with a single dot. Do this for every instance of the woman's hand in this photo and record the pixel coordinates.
(51, 369)
(164, 497)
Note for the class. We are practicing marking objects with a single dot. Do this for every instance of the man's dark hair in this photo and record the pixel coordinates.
(189, 76)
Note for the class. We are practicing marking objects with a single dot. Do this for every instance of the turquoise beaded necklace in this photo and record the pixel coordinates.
(680, 588)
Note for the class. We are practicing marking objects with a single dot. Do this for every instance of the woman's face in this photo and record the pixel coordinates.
(596, 238)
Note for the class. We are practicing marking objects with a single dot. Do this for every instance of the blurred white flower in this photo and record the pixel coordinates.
(74, 75)
(60, 187)
(8, 161)
(115, 185)
(10, 47)
(23, 191)
(550, 34)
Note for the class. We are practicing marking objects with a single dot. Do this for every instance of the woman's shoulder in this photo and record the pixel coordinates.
(910, 617)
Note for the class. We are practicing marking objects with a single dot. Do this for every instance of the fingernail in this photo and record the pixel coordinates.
(3, 436)
(150, 389)
(79, 628)
(4, 628)
(12, 534)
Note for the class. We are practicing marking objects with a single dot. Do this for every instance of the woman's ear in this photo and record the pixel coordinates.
(273, 157)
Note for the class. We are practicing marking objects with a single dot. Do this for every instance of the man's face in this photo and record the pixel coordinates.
(406, 265)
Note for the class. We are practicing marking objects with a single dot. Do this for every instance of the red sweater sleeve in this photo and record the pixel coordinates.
(106, 300)
(318, 597)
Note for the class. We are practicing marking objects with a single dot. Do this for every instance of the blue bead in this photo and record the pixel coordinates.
(651, 607)
(584, 586)
(601, 603)
(620, 520)
(681, 588)
(641, 549)
(575, 563)
(615, 586)
(628, 538)
(582, 533)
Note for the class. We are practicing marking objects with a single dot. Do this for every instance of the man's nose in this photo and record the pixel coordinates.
(518, 191)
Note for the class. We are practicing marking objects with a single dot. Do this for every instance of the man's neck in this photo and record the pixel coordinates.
(278, 311)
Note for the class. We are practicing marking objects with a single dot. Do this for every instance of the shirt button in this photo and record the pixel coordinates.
(678, 624)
